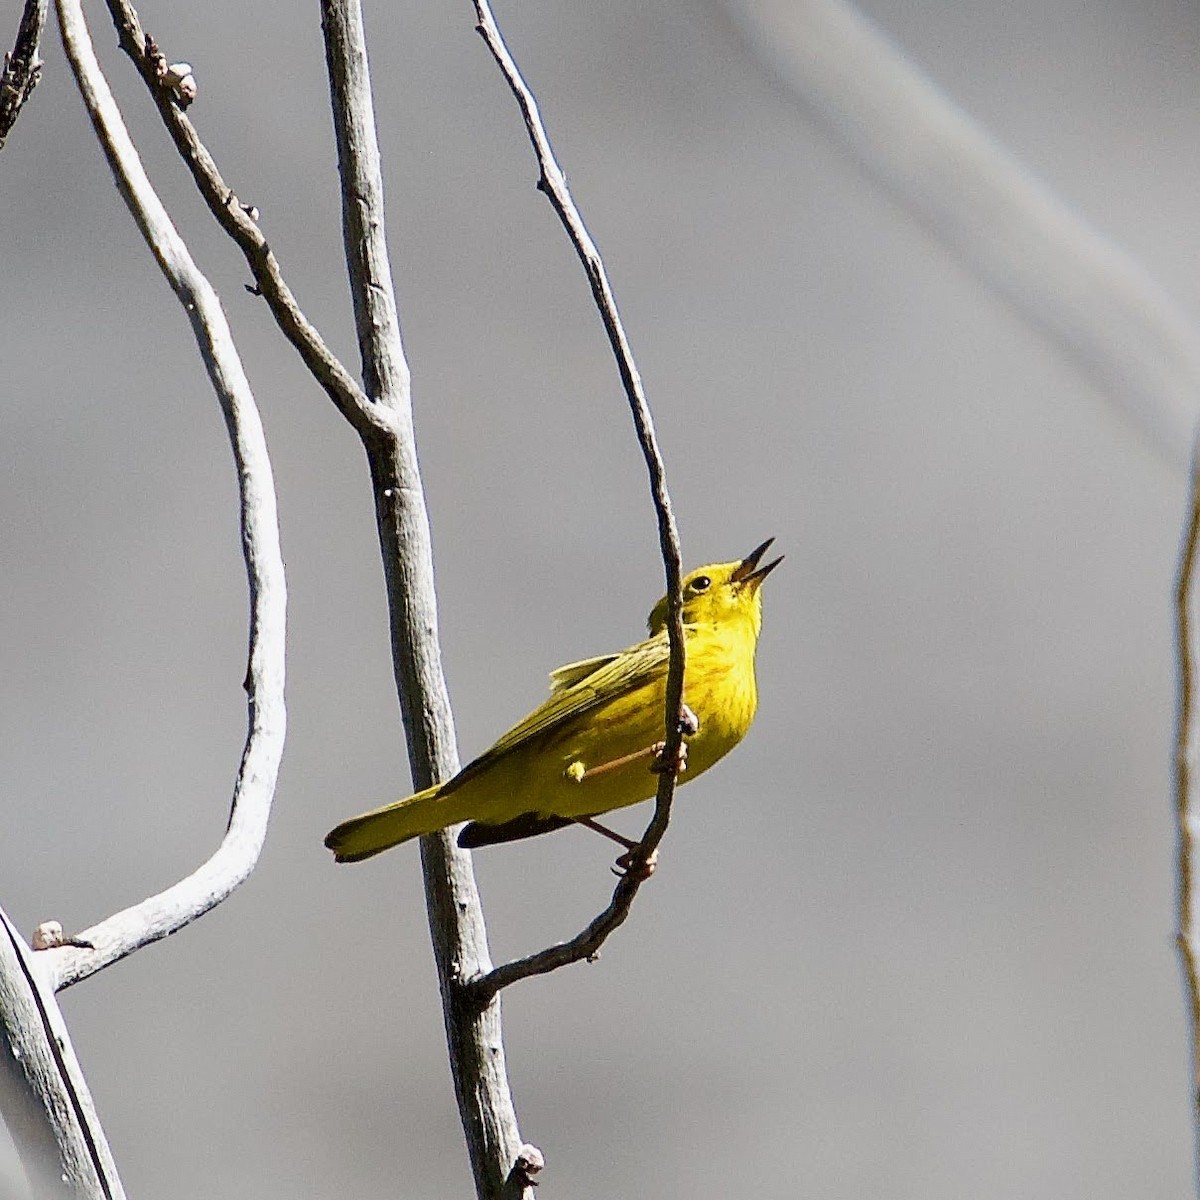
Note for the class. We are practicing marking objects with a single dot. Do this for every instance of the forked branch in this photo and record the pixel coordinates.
(240, 222)
(44, 1098)
(238, 852)
(381, 414)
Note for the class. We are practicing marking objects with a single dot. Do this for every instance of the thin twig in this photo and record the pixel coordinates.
(238, 852)
(240, 222)
(1187, 785)
(554, 184)
(23, 67)
(584, 945)
(500, 1162)
(1092, 298)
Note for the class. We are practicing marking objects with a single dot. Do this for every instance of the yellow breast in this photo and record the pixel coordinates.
(720, 689)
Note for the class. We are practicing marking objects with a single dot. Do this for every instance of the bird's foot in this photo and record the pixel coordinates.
(633, 862)
(659, 763)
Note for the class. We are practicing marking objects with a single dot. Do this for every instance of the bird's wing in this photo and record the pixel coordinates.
(613, 675)
(576, 672)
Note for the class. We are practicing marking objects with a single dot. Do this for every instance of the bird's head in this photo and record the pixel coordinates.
(720, 592)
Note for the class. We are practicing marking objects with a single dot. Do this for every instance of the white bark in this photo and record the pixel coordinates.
(44, 1098)
(473, 1032)
(235, 858)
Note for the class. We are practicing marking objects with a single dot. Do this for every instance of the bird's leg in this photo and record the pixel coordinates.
(578, 772)
(689, 725)
(630, 860)
(596, 827)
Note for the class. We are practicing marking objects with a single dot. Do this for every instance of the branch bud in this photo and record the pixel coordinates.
(47, 935)
(180, 79)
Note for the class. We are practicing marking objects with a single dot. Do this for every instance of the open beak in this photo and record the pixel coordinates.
(748, 570)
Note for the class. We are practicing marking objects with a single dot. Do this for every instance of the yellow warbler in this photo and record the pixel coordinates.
(589, 748)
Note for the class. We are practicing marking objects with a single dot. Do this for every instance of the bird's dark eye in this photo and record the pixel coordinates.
(701, 583)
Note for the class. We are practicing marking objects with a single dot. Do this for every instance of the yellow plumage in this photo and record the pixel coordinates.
(564, 760)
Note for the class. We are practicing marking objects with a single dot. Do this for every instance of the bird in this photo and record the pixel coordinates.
(595, 744)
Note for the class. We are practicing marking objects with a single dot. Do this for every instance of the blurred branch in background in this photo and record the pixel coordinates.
(254, 789)
(1002, 222)
(1187, 782)
(1062, 275)
(23, 66)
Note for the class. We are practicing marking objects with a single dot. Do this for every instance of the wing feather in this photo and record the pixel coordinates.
(610, 676)
(576, 672)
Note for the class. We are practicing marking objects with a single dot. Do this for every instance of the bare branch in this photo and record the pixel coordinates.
(554, 184)
(584, 945)
(23, 67)
(385, 371)
(1059, 273)
(237, 855)
(44, 1098)
(383, 419)
(240, 222)
(500, 1161)
(1187, 781)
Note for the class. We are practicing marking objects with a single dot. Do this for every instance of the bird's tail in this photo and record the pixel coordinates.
(382, 828)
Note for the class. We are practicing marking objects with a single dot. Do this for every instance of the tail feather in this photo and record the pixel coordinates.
(382, 828)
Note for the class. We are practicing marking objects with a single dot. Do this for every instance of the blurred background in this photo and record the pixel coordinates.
(915, 938)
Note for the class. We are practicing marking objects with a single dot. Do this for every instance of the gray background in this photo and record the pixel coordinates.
(915, 938)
